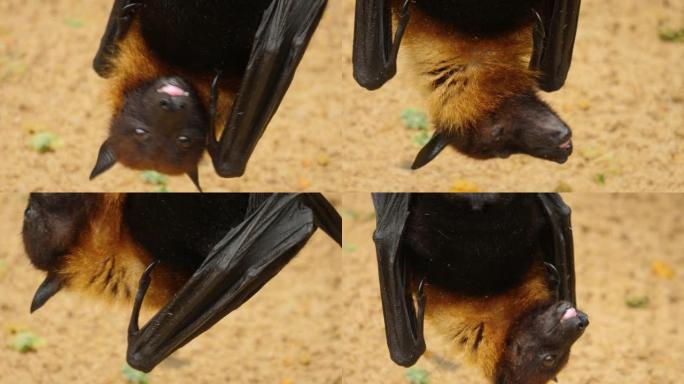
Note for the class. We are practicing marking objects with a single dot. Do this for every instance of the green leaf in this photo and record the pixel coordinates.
(155, 178)
(352, 214)
(637, 301)
(134, 376)
(417, 375)
(74, 23)
(43, 142)
(348, 247)
(671, 35)
(25, 341)
(414, 119)
(600, 179)
(421, 139)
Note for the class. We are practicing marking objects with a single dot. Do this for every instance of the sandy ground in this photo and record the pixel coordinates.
(617, 238)
(623, 99)
(288, 333)
(47, 84)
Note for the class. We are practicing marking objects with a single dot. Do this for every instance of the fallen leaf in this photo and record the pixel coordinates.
(662, 269)
(464, 186)
(563, 187)
(417, 375)
(637, 301)
(304, 183)
(26, 341)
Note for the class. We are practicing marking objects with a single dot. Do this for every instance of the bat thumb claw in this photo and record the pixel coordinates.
(145, 280)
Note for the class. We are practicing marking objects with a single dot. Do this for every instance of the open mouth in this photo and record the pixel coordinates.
(173, 90)
(566, 145)
(569, 313)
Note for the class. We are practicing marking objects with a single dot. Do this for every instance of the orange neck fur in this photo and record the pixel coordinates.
(108, 262)
(458, 317)
(467, 76)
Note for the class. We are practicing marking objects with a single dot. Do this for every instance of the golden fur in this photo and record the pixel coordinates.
(135, 64)
(459, 317)
(106, 261)
(467, 77)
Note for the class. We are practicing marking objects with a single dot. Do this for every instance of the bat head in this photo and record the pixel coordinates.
(538, 346)
(52, 224)
(162, 126)
(523, 124)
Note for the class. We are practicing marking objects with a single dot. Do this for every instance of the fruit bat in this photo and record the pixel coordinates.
(494, 273)
(197, 257)
(185, 76)
(480, 64)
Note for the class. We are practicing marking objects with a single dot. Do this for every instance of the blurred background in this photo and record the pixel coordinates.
(623, 99)
(54, 115)
(288, 333)
(629, 262)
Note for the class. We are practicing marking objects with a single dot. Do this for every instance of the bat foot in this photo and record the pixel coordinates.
(145, 280)
(125, 18)
(553, 277)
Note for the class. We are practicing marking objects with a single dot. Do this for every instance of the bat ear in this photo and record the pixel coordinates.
(47, 289)
(105, 160)
(194, 176)
(437, 143)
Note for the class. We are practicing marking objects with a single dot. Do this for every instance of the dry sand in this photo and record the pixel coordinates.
(617, 237)
(47, 84)
(624, 99)
(287, 333)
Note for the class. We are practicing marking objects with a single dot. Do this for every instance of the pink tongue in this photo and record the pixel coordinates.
(566, 145)
(569, 314)
(172, 90)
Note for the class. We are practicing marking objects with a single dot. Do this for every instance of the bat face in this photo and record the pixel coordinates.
(522, 124)
(162, 126)
(540, 345)
(51, 226)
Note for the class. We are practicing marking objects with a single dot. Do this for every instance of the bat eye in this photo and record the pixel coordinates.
(549, 361)
(141, 132)
(184, 141)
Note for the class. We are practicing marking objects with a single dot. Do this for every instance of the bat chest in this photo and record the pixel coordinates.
(483, 17)
(181, 230)
(202, 35)
(476, 253)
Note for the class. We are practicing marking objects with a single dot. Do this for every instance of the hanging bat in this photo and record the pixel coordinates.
(190, 75)
(200, 256)
(471, 59)
(493, 273)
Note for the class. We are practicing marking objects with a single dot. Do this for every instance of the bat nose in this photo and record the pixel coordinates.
(583, 321)
(172, 104)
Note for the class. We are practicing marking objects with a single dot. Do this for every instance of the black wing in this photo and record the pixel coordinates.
(239, 265)
(562, 258)
(283, 35)
(554, 39)
(403, 322)
(120, 19)
(326, 217)
(375, 54)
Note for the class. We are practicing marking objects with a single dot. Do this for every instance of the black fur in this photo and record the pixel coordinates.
(475, 244)
(181, 229)
(203, 35)
(482, 17)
